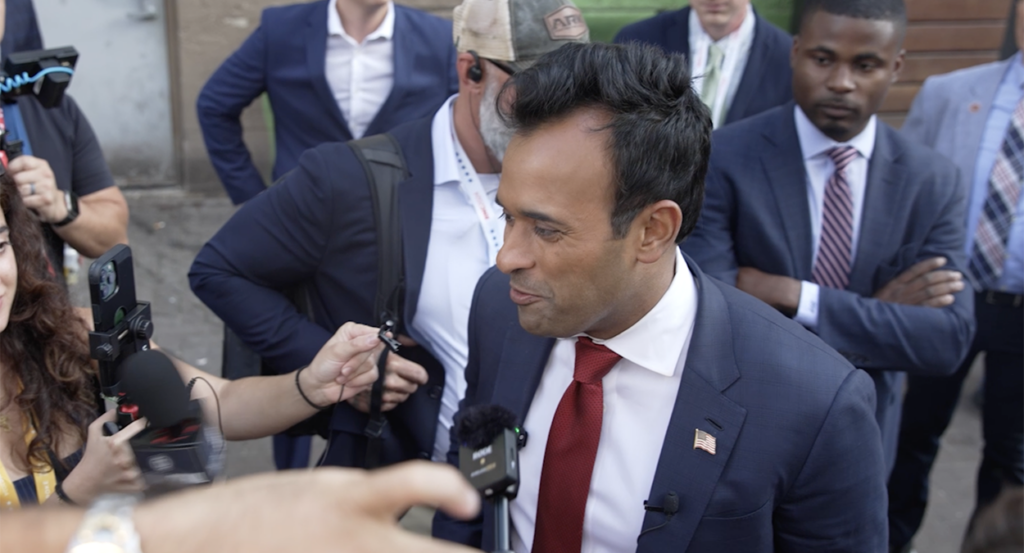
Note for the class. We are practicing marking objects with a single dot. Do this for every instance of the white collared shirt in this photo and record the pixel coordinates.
(457, 257)
(736, 46)
(639, 397)
(360, 75)
(814, 145)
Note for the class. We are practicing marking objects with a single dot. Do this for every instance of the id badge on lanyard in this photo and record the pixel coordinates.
(486, 214)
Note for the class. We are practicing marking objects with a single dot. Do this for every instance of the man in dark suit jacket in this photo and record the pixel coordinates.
(287, 57)
(21, 28)
(317, 227)
(636, 376)
(788, 189)
(757, 80)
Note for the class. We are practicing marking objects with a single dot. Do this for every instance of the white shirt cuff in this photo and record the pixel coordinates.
(807, 311)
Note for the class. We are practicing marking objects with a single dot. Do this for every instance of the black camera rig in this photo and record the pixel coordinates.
(45, 74)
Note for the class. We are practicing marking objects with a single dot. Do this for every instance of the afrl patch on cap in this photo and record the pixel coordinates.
(565, 23)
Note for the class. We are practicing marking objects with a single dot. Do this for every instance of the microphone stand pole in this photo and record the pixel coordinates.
(502, 539)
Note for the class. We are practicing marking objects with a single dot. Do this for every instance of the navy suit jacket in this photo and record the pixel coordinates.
(285, 58)
(767, 79)
(798, 465)
(756, 214)
(21, 29)
(317, 226)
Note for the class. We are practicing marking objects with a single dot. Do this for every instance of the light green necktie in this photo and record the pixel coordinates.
(712, 75)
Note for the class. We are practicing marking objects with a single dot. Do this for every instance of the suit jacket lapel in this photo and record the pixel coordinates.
(783, 162)
(404, 47)
(678, 36)
(316, 57)
(752, 73)
(972, 117)
(883, 206)
(700, 405)
(416, 205)
(523, 359)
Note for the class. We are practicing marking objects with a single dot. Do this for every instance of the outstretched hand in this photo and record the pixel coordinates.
(325, 510)
(348, 359)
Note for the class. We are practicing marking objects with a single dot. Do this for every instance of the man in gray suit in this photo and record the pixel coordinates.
(976, 118)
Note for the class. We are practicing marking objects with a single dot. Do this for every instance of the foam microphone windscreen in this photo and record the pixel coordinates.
(479, 425)
(151, 382)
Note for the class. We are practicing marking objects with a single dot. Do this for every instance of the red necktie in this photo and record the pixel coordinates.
(570, 453)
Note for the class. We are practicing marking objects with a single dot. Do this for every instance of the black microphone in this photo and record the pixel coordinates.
(176, 449)
(489, 458)
(669, 506)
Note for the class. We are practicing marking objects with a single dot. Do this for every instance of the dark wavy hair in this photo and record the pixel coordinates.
(660, 129)
(42, 348)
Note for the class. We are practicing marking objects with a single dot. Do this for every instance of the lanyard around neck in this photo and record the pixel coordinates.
(474, 193)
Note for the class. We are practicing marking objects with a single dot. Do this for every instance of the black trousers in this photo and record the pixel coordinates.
(929, 406)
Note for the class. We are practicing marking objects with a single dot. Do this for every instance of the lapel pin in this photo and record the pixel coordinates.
(703, 440)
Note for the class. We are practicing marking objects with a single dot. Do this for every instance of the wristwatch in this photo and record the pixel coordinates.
(107, 527)
(70, 202)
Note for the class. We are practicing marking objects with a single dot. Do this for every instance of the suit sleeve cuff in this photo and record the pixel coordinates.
(807, 311)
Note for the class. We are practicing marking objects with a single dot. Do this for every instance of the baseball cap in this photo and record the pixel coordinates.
(517, 32)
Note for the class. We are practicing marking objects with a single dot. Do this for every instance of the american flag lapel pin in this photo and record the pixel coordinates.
(703, 440)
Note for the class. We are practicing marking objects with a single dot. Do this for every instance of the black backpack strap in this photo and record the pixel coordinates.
(385, 168)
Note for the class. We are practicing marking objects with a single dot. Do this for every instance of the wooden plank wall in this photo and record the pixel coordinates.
(943, 36)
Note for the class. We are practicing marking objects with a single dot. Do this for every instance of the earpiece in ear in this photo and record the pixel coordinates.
(475, 73)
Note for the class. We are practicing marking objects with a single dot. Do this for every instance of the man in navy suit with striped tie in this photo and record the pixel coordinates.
(828, 215)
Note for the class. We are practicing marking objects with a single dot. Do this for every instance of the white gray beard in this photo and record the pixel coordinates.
(495, 133)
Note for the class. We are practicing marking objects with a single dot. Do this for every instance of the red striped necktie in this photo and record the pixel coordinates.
(835, 248)
(571, 450)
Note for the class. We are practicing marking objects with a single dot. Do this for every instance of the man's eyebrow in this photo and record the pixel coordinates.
(868, 56)
(544, 217)
(823, 50)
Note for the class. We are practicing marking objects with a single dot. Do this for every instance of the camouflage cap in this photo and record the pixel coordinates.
(517, 32)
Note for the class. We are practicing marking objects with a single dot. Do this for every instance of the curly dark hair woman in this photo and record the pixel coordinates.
(48, 396)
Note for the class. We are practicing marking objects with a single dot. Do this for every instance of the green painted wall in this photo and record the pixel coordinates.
(606, 17)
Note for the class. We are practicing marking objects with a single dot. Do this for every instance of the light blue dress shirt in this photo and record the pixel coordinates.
(1008, 95)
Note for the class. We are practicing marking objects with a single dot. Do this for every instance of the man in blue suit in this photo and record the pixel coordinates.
(21, 28)
(976, 118)
(316, 227)
(333, 70)
(637, 377)
(831, 217)
(739, 61)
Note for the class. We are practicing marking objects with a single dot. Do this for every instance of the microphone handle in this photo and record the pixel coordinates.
(502, 540)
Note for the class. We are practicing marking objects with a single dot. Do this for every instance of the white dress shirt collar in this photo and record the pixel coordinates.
(653, 342)
(385, 31)
(814, 143)
(442, 139)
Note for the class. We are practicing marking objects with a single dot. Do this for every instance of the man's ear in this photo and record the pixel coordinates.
(463, 63)
(658, 225)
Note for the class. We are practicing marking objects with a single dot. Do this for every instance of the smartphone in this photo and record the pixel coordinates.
(121, 324)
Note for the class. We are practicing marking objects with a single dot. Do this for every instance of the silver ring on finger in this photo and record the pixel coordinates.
(31, 189)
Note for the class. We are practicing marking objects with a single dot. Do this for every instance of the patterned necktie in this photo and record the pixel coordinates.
(712, 74)
(570, 453)
(832, 267)
(1004, 188)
